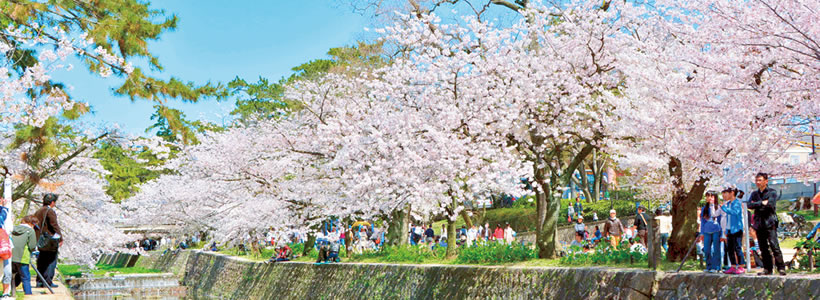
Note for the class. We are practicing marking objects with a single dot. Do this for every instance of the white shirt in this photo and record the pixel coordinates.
(472, 233)
(508, 234)
(665, 223)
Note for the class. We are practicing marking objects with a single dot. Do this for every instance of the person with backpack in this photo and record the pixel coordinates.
(49, 239)
(26, 240)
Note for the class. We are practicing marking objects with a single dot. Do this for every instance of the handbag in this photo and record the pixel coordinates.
(47, 242)
(5, 245)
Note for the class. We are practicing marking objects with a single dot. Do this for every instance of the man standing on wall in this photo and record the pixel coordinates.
(50, 229)
(763, 201)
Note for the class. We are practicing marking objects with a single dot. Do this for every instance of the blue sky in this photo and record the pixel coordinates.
(217, 41)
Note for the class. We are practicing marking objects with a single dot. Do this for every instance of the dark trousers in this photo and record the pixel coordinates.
(642, 235)
(726, 254)
(770, 246)
(46, 265)
(735, 249)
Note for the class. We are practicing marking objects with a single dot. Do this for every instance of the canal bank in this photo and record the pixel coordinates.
(211, 275)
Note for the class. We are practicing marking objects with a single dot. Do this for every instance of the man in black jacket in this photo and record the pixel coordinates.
(763, 201)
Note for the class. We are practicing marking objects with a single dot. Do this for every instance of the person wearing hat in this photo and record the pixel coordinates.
(47, 259)
(579, 226)
(613, 229)
(640, 225)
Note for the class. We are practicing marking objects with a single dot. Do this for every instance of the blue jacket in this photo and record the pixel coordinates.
(734, 210)
(4, 212)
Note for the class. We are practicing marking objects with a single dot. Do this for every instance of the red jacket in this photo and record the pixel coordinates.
(498, 234)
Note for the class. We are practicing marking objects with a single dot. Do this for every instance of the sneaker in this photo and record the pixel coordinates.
(712, 271)
(765, 272)
(731, 270)
(782, 272)
(740, 270)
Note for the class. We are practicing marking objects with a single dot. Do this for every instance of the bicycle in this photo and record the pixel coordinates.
(794, 226)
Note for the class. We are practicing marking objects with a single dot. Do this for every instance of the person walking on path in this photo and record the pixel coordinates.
(639, 225)
(710, 229)
(763, 201)
(47, 260)
(613, 229)
(734, 237)
(570, 213)
(25, 240)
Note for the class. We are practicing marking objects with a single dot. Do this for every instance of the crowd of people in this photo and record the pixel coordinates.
(425, 236)
(720, 233)
(37, 238)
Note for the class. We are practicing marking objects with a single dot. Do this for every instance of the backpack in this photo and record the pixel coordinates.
(5, 245)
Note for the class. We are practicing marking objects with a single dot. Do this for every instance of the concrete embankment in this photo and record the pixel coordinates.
(210, 275)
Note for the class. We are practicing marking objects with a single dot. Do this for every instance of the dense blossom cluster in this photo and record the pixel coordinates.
(469, 108)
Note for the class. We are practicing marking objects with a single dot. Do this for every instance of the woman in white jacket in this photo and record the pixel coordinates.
(509, 234)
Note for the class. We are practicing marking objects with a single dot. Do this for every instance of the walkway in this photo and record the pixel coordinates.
(60, 293)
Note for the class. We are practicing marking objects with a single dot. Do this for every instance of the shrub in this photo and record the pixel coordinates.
(406, 253)
(603, 255)
(495, 253)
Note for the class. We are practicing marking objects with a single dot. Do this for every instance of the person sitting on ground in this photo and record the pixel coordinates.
(598, 235)
(25, 240)
(283, 253)
(579, 241)
(580, 226)
(214, 248)
(636, 247)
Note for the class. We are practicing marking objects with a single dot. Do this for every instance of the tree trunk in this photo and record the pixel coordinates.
(399, 227)
(598, 172)
(583, 183)
(684, 211)
(467, 221)
(451, 238)
(311, 239)
(547, 227)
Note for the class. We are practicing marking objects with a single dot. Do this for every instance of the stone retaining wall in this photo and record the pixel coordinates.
(210, 275)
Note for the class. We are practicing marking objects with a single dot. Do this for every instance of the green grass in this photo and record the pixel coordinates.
(69, 270)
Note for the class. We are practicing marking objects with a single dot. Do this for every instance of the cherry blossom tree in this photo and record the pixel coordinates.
(718, 85)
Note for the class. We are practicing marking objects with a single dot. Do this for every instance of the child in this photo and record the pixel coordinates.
(23, 236)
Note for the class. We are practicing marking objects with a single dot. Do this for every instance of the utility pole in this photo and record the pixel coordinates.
(814, 156)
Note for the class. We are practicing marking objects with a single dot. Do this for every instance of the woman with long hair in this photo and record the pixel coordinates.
(710, 228)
